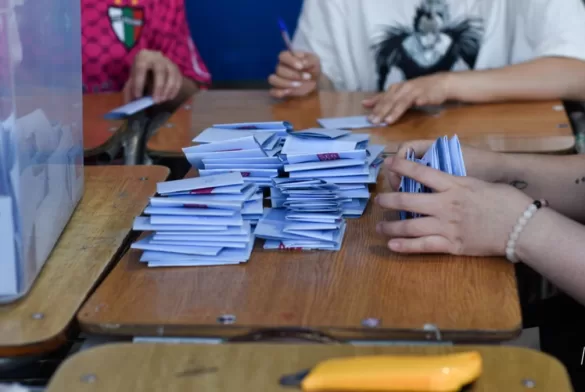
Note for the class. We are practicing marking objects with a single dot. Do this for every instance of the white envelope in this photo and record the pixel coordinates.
(335, 172)
(324, 165)
(300, 158)
(244, 143)
(295, 145)
(235, 220)
(142, 223)
(229, 165)
(247, 192)
(351, 122)
(253, 207)
(312, 226)
(225, 255)
(150, 210)
(199, 244)
(196, 159)
(246, 173)
(212, 135)
(144, 244)
(232, 231)
(198, 183)
(129, 109)
(235, 161)
(203, 238)
(192, 202)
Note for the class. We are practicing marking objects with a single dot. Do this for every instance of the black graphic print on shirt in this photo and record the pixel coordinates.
(433, 44)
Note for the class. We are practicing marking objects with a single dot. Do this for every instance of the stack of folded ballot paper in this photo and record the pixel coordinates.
(337, 157)
(286, 229)
(445, 155)
(248, 148)
(200, 221)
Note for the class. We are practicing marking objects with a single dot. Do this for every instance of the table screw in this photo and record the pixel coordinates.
(530, 384)
(226, 319)
(169, 125)
(143, 178)
(371, 322)
(38, 316)
(89, 378)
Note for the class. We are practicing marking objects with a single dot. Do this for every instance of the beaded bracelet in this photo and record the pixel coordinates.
(522, 221)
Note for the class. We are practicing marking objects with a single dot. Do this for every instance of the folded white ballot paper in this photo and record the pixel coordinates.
(130, 109)
(351, 122)
(213, 135)
(200, 183)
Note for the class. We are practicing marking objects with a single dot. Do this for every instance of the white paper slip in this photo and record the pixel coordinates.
(374, 151)
(300, 158)
(318, 133)
(235, 220)
(271, 143)
(295, 145)
(144, 244)
(268, 173)
(352, 122)
(223, 231)
(301, 246)
(267, 126)
(142, 223)
(247, 192)
(199, 244)
(212, 135)
(323, 165)
(194, 202)
(243, 143)
(299, 226)
(196, 160)
(189, 263)
(224, 190)
(334, 172)
(275, 151)
(229, 165)
(187, 211)
(224, 255)
(203, 238)
(199, 183)
(236, 161)
(253, 207)
(355, 193)
(129, 109)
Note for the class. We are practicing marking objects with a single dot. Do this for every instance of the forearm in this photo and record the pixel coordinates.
(558, 179)
(555, 246)
(540, 79)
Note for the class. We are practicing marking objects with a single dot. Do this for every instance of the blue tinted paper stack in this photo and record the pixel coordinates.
(445, 155)
(199, 222)
(248, 148)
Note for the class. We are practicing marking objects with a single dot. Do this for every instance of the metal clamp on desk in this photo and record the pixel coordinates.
(433, 330)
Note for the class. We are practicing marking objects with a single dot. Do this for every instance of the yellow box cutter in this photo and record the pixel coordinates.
(383, 373)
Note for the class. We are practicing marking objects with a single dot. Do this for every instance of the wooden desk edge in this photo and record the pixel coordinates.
(106, 351)
(345, 334)
(58, 338)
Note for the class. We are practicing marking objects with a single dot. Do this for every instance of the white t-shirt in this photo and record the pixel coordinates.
(367, 45)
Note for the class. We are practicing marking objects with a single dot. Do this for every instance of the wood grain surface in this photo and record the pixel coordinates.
(505, 127)
(468, 299)
(258, 367)
(92, 239)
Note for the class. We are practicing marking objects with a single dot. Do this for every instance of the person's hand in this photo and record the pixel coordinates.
(296, 75)
(481, 164)
(389, 106)
(465, 216)
(165, 76)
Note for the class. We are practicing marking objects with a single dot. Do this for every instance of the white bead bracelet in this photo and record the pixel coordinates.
(522, 221)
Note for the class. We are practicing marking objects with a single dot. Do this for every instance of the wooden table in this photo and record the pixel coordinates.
(100, 134)
(92, 240)
(253, 367)
(508, 127)
(335, 293)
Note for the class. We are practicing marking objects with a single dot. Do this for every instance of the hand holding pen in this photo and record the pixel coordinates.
(297, 73)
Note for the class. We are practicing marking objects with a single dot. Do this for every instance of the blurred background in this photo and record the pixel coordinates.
(238, 41)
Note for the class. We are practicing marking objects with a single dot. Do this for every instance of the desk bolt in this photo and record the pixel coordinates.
(530, 384)
(88, 378)
(169, 125)
(226, 319)
(38, 316)
(143, 178)
(371, 322)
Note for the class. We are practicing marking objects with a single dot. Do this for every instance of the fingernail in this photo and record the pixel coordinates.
(375, 120)
(305, 63)
(394, 245)
(379, 228)
(307, 76)
(285, 92)
(296, 84)
(299, 65)
(389, 120)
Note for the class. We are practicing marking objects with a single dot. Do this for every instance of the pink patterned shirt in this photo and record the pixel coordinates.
(114, 31)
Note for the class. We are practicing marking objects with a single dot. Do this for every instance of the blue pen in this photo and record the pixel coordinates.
(285, 35)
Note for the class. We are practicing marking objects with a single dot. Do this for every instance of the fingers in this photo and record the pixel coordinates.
(291, 74)
(420, 147)
(127, 91)
(434, 179)
(425, 204)
(287, 59)
(173, 84)
(428, 244)
(371, 102)
(160, 78)
(394, 103)
(282, 83)
(138, 77)
(411, 228)
(304, 89)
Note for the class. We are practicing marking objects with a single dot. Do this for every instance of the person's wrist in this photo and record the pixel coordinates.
(533, 235)
(451, 84)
